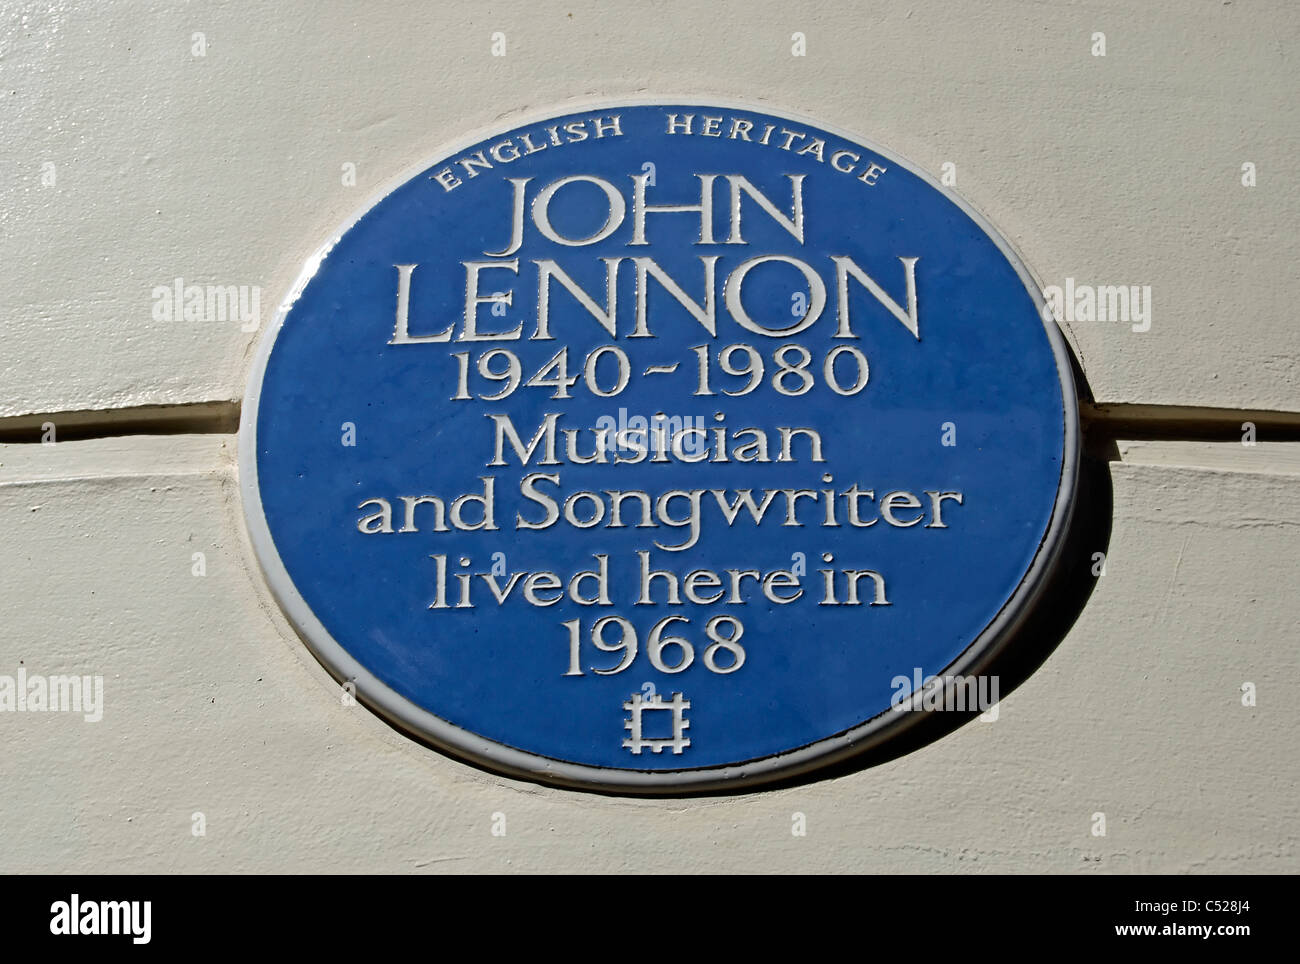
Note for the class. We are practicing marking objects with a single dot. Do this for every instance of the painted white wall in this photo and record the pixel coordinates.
(213, 705)
(226, 169)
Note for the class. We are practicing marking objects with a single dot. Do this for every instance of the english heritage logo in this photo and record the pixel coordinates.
(851, 450)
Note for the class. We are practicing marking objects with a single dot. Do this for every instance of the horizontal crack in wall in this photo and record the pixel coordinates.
(198, 418)
(1102, 423)
(1187, 423)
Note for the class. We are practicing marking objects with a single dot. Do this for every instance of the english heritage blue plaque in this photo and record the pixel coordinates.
(659, 446)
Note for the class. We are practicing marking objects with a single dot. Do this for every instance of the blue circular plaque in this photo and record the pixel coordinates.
(658, 446)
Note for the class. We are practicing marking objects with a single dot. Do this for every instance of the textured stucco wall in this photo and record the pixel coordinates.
(226, 169)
